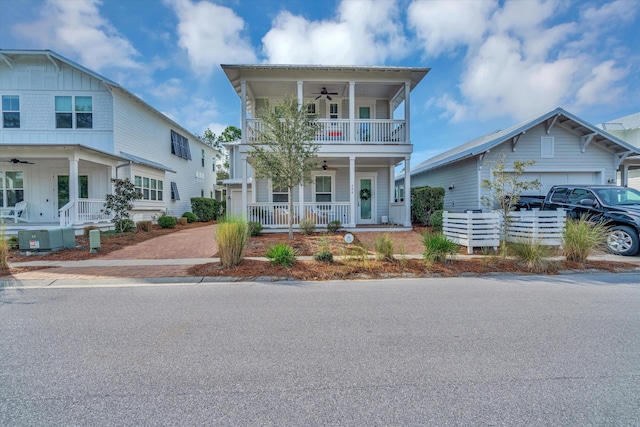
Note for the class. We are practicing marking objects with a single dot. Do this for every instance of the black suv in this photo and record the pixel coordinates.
(618, 206)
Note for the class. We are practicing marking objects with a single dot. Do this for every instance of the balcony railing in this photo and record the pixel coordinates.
(276, 215)
(369, 131)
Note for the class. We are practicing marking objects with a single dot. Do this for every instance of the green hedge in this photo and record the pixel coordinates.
(207, 209)
(424, 202)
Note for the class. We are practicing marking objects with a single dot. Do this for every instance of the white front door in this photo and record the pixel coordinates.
(366, 199)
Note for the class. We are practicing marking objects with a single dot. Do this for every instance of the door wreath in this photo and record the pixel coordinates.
(365, 194)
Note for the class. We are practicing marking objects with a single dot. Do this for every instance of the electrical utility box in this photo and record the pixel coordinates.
(47, 239)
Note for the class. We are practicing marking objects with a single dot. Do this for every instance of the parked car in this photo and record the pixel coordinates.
(619, 207)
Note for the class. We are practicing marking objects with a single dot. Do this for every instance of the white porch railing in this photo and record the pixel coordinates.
(337, 131)
(89, 210)
(276, 215)
(478, 229)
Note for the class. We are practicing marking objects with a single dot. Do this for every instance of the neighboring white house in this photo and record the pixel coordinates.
(627, 129)
(363, 133)
(566, 150)
(66, 131)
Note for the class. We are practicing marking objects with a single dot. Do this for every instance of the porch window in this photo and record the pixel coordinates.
(311, 109)
(11, 188)
(280, 195)
(174, 191)
(149, 188)
(399, 194)
(10, 111)
(333, 110)
(180, 146)
(323, 189)
(72, 111)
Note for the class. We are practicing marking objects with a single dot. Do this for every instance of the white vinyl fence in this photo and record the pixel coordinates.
(482, 229)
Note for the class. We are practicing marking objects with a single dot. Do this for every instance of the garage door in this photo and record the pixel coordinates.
(549, 179)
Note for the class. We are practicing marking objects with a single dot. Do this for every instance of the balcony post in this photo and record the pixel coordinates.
(300, 94)
(407, 114)
(407, 191)
(352, 112)
(243, 110)
(352, 191)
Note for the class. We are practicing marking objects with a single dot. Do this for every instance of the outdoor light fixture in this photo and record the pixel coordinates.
(452, 186)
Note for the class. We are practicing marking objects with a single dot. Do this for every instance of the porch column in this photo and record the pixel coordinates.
(407, 114)
(392, 186)
(407, 192)
(243, 161)
(73, 188)
(352, 111)
(243, 110)
(300, 94)
(352, 191)
(301, 201)
(624, 175)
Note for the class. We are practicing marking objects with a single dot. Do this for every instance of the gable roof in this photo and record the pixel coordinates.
(632, 121)
(557, 117)
(7, 56)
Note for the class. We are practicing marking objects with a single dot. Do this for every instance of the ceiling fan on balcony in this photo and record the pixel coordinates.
(16, 161)
(324, 92)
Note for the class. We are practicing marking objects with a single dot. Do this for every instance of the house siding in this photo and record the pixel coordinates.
(463, 177)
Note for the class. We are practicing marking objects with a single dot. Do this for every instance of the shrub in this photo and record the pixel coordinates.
(437, 247)
(383, 247)
(191, 217)
(532, 253)
(144, 226)
(334, 226)
(436, 220)
(231, 236)
(281, 254)
(255, 228)
(120, 203)
(167, 221)
(87, 229)
(207, 209)
(580, 237)
(323, 256)
(307, 226)
(182, 220)
(4, 251)
(125, 225)
(12, 242)
(424, 201)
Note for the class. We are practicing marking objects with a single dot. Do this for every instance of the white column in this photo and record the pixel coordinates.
(392, 185)
(73, 188)
(407, 112)
(407, 192)
(300, 94)
(624, 175)
(352, 190)
(352, 111)
(243, 110)
(244, 165)
(301, 201)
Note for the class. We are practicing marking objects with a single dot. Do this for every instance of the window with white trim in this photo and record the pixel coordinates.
(333, 110)
(74, 112)
(547, 148)
(11, 188)
(280, 194)
(311, 109)
(149, 188)
(323, 189)
(10, 111)
(180, 146)
(399, 193)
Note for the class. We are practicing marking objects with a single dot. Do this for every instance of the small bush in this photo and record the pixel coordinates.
(281, 254)
(182, 220)
(255, 228)
(323, 256)
(231, 236)
(167, 221)
(580, 237)
(383, 247)
(207, 209)
(334, 226)
(144, 226)
(124, 225)
(307, 226)
(191, 217)
(12, 242)
(437, 247)
(436, 220)
(87, 229)
(4, 251)
(532, 253)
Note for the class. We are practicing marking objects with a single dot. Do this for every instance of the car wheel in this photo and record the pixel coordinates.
(623, 240)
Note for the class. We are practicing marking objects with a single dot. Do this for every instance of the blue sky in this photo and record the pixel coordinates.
(494, 63)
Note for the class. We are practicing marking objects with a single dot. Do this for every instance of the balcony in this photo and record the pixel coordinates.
(338, 131)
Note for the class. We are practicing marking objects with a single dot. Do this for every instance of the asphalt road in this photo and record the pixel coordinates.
(548, 351)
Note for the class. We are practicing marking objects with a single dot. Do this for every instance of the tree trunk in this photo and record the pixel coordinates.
(290, 213)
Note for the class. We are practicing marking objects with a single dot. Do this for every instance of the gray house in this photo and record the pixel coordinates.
(566, 150)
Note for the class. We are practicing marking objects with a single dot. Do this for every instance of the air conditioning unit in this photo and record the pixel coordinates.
(47, 239)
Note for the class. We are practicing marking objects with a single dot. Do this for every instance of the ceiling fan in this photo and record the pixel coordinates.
(325, 93)
(327, 168)
(15, 161)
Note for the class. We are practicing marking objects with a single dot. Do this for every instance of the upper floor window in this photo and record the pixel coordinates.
(202, 158)
(333, 110)
(311, 109)
(74, 112)
(10, 111)
(180, 146)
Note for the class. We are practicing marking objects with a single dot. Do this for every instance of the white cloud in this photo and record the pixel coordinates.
(171, 89)
(211, 35)
(363, 32)
(444, 25)
(77, 27)
(195, 115)
(601, 88)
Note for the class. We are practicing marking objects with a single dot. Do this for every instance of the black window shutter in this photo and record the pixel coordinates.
(174, 191)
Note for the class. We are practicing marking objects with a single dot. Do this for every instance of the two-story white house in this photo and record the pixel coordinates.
(363, 116)
(66, 131)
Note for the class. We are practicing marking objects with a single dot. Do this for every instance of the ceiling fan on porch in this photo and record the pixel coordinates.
(16, 161)
(325, 167)
(324, 92)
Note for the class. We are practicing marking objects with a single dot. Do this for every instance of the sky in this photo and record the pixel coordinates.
(493, 63)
